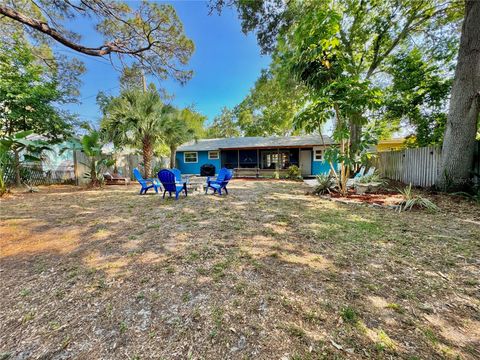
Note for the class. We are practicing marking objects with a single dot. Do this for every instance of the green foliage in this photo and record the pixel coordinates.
(349, 315)
(325, 184)
(139, 119)
(224, 125)
(11, 146)
(411, 201)
(474, 195)
(374, 178)
(294, 172)
(91, 145)
(28, 97)
(147, 35)
(271, 105)
(180, 126)
(341, 50)
(63, 69)
(419, 95)
(5, 161)
(135, 118)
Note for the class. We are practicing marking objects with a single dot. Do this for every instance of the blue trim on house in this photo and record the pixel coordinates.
(194, 168)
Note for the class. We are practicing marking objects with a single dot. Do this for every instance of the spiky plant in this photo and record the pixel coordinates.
(325, 183)
(411, 200)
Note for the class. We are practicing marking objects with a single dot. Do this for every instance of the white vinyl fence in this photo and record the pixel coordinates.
(419, 166)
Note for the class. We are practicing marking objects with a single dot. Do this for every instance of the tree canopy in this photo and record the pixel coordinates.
(323, 43)
(29, 98)
(224, 125)
(150, 35)
(270, 107)
(418, 97)
(135, 118)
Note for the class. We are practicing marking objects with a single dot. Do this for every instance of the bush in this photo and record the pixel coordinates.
(325, 183)
(294, 173)
(474, 195)
(374, 178)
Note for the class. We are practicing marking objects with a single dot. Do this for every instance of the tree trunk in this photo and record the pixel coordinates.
(147, 156)
(93, 172)
(463, 113)
(16, 162)
(355, 135)
(173, 149)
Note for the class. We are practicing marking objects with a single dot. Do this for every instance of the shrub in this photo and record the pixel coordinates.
(411, 201)
(474, 195)
(325, 183)
(374, 178)
(294, 173)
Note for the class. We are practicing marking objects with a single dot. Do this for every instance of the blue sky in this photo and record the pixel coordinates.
(226, 63)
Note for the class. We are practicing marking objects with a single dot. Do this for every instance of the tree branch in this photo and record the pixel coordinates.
(45, 28)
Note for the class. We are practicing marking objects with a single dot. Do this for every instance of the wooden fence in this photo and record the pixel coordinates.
(418, 166)
(125, 165)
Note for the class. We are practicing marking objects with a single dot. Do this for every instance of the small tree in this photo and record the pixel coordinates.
(92, 147)
(135, 118)
(176, 131)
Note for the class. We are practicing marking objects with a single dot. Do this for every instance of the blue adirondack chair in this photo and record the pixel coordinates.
(146, 183)
(167, 178)
(220, 183)
(178, 175)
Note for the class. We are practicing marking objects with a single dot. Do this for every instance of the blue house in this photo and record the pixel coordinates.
(256, 156)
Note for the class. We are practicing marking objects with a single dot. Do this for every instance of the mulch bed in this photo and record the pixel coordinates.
(384, 198)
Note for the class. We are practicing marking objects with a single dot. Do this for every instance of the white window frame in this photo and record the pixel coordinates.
(315, 150)
(190, 152)
(214, 158)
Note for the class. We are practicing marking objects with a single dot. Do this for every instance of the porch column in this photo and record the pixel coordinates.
(299, 165)
(277, 165)
(238, 159)
(258, 163)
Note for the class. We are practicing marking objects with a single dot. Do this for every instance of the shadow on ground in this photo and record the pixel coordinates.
(264, 273)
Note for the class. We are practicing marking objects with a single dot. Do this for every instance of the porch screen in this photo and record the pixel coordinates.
(284, 159)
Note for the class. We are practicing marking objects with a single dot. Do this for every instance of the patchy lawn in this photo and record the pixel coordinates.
(264, 273)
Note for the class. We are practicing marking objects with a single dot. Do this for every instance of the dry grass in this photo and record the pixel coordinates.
(265, 273)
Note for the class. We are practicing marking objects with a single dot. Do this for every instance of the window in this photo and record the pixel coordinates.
(213, 155)
(317, 155)
(277, 159)
(190, 157)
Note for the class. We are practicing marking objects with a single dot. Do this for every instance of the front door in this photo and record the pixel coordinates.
(306, 162)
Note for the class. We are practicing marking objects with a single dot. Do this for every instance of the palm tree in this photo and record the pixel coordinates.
(135, 118)
(176, 131)
(91, 146)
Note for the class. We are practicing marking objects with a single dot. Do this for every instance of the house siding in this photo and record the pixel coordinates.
(194, 168)
(318, 167)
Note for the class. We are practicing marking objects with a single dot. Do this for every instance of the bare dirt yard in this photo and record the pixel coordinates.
(266, 272)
